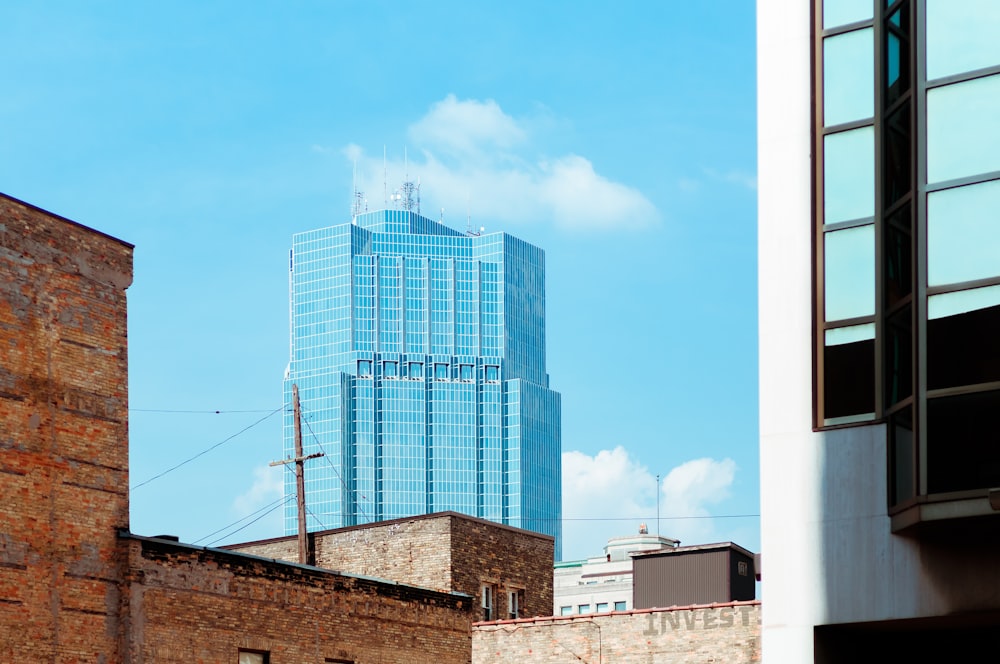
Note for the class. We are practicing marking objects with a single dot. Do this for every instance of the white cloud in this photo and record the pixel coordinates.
(612, 485)
(266, 488)
(471, 156)
(688, 489)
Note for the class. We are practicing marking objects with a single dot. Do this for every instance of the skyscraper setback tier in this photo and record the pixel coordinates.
(419, 354)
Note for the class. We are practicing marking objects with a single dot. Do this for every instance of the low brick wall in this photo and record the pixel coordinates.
(189, 604)
(687, 635)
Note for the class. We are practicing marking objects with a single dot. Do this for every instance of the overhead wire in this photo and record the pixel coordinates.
(206, 451)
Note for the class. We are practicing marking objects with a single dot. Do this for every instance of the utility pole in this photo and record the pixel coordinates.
(300, 476)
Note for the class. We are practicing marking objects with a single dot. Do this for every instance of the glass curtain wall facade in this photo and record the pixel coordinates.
(907, 227)
(419, 354)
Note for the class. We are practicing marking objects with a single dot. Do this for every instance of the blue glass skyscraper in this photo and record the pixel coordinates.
(419, 355)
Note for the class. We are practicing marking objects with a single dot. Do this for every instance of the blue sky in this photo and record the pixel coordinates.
(619, 138)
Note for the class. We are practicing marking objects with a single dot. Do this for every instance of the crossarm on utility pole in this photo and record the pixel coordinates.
(300, 480)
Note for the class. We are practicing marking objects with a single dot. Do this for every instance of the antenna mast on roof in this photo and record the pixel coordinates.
(407, 196)
(359, 203)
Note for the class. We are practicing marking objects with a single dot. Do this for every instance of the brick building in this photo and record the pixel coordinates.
(727, 632)
(75, 585)
(507, 570)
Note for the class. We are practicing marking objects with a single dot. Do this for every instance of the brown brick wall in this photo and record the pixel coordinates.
(444, 551)
(193, 605)
(63, 436)
(506, 557)
(695, 635)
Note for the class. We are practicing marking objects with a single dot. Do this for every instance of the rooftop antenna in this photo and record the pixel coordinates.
(359, 203)
(442, 216)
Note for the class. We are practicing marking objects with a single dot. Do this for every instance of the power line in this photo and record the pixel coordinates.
(197, 412)
(334, 467)
(203, 452)
(250, 523)
(273, 504)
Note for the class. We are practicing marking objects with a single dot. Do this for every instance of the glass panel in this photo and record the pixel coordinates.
(897, 55)
(898, 257)
(903, 481)
(898, 356)
(961, 36)
(565, 610)
(962, 329)
(849, 175)
(849, 374)
(963, 233)
(897, 150)
(848, 77)
(619, 606)
(962, 136)
(962, 450)
(842, 12)
(850, 272)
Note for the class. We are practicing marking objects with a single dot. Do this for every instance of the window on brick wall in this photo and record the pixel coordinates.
(254, 657)
(515, 599)
(488, 601)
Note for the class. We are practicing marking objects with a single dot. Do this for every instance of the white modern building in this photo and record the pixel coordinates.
(602, 583)
(879, 313)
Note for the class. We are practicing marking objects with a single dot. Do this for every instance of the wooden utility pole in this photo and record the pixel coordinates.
(300, 475)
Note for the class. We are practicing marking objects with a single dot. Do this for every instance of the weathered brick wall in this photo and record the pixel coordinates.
(192, 605)
(507, 558)
(63, 437)
(694, 635)
(445, 551)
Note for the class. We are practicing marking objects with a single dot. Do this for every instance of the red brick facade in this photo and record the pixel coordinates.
(75, 586)
(189, 604)
(63, 437)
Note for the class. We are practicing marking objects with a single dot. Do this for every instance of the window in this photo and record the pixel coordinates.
(365, 368)
(492, 374)
(620, 606)
(440, 371)
(254, 657)
(602, 607)
(565, 610)
(515, 597)
(465, 372)
(908, 184)
(416, 370)
(389, 369)
(583, 608)
(487, 601)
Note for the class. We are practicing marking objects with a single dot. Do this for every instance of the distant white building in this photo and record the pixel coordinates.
(602, 583)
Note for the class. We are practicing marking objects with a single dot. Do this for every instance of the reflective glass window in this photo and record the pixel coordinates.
(849, 175)
(962, 452)
(364, 368)
(848, 77)
(962, 330)
(963, 231)
(898, 254)
(897, 54)
(898, 150)
(961, 36)
(849, 373)
(962, 136)
(389, 369)
(849, 276)
(842, 12)
(619, 606)
(903, 483)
